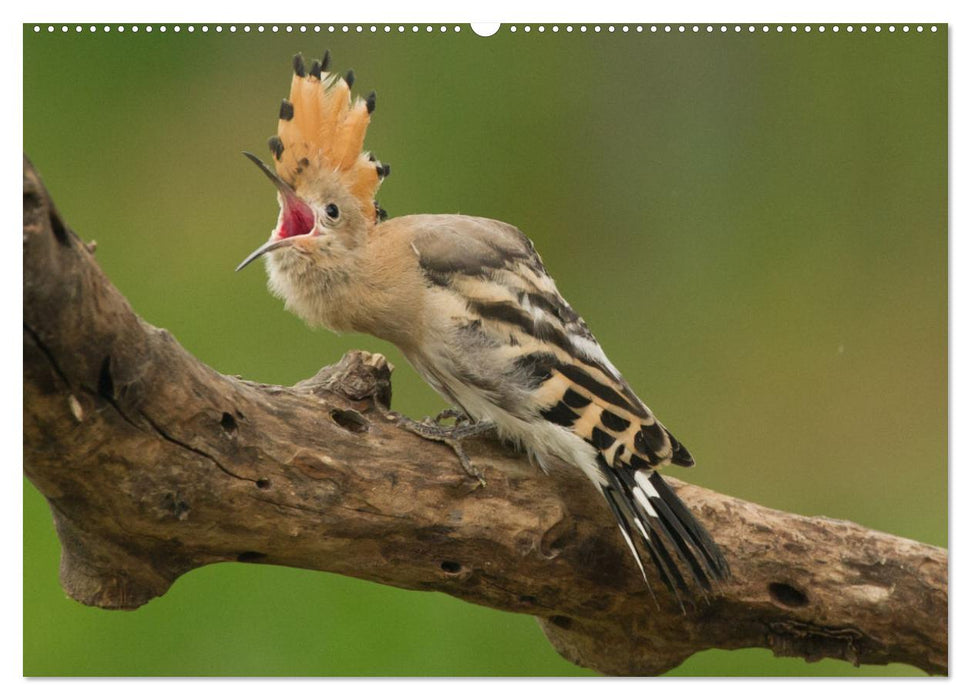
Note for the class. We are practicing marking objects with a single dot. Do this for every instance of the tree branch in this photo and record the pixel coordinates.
(155, 464)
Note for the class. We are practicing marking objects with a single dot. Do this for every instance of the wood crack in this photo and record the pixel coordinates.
(195, 450)
(52, 361)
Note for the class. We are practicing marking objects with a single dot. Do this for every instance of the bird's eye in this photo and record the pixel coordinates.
(333, 213)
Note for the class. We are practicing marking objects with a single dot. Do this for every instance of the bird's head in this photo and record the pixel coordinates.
(325, 183)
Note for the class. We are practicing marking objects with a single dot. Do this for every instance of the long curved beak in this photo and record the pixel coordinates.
(263, 250)
(287, 192)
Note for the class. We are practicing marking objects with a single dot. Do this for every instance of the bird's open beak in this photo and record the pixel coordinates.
(290, 200)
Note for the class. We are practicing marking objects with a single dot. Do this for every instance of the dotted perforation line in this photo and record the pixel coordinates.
(247, 28)
(442, 29)
(719, 28)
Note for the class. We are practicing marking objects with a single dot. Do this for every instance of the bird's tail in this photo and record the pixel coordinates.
(650, 514)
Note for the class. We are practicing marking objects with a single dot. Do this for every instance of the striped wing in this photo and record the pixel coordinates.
(553, 368)
(511, 300)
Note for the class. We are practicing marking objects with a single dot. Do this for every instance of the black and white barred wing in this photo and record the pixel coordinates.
(631, 445)
(519, 355)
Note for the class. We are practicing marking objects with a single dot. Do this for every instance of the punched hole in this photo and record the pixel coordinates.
(485, 28)
(262, 483)
(787, 595)
(451, 567)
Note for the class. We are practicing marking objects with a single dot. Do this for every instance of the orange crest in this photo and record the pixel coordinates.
(322, 128)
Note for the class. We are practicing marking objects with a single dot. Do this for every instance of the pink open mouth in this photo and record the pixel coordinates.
(296, 218)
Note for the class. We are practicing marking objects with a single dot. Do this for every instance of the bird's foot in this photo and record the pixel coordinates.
(451, 435)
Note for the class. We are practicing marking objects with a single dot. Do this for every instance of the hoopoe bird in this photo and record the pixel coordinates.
(469, 303)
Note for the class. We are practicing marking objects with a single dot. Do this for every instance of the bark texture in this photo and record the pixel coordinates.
(154, 464)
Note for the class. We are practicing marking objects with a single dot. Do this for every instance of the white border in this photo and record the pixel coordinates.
(603, 11)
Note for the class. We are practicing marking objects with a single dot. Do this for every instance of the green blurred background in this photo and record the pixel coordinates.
(754, 225)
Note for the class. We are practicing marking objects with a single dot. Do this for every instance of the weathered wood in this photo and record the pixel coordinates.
(155, 464)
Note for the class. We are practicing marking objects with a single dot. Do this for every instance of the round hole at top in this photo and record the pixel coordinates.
(485, 28)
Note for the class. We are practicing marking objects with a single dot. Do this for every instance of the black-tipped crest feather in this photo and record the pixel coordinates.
(321, 132)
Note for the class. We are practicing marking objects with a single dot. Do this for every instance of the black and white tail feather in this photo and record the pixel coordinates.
(650, 513)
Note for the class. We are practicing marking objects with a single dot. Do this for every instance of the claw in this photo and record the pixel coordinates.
(460, 417)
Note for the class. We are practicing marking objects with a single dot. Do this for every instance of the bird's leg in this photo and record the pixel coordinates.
(451, 435)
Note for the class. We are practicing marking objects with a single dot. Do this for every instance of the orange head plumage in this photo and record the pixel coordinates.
(325, 181)
(321, 129)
